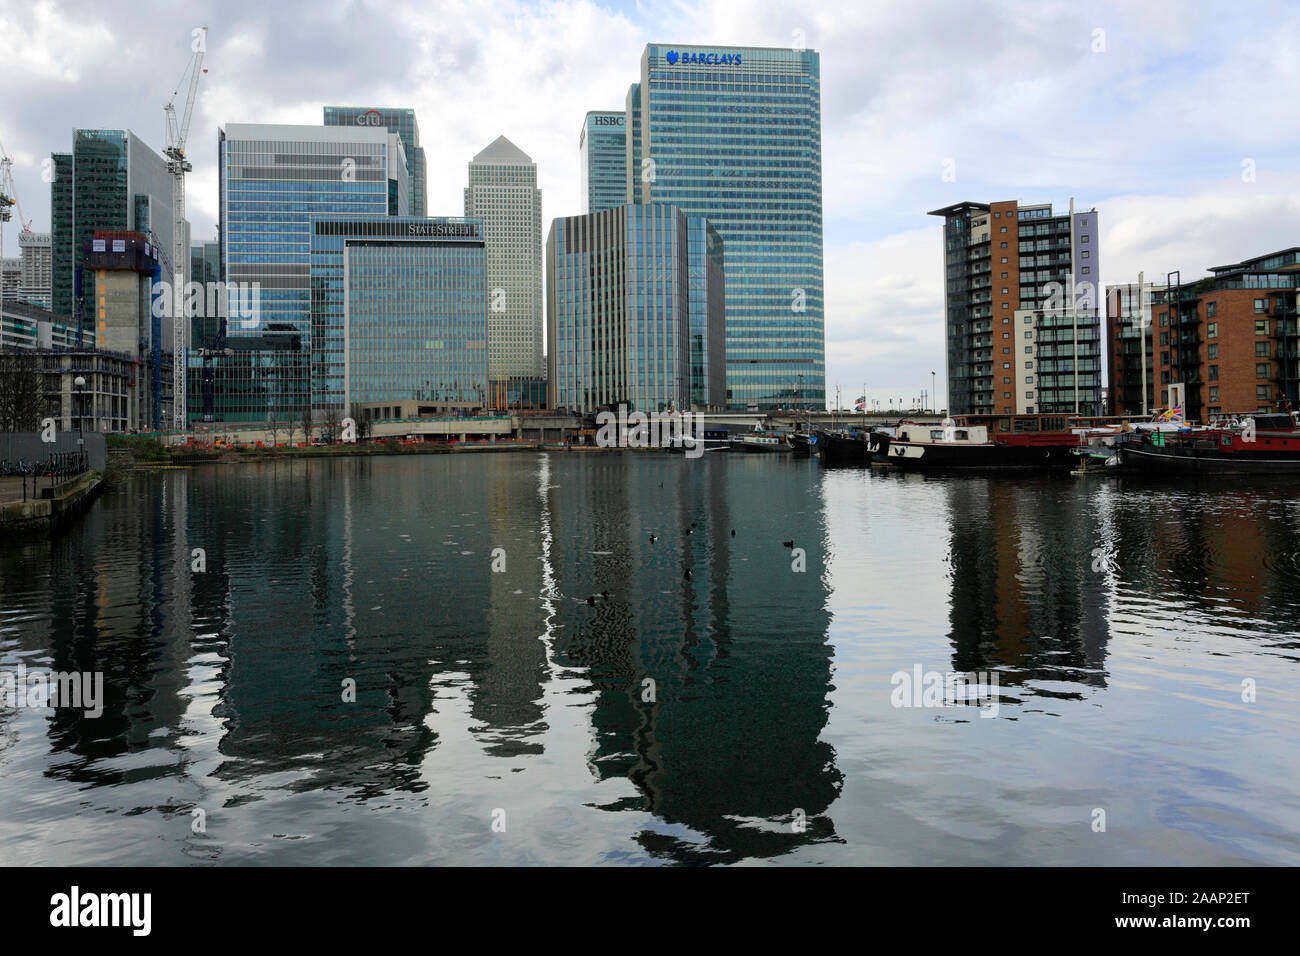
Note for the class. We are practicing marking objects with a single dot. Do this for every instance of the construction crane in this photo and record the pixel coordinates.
(9, 197)
(178, 132)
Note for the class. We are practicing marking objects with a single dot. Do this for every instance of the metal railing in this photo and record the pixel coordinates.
(60, 467)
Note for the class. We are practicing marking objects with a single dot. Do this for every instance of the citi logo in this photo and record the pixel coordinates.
(370, 118)
(75, 909)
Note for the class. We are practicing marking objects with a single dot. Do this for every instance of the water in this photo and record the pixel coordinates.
(1121, 621)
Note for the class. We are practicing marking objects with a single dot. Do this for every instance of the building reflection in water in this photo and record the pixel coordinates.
(228, 683)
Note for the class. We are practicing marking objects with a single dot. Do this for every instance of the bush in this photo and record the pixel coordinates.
(141, 447)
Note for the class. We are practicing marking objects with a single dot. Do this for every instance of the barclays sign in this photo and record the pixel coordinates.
(708, 59)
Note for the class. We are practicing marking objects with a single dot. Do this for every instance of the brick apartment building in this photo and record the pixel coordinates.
(1223, 345)
(1022, 316)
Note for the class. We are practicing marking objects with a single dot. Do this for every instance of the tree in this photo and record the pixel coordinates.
(22, 391)
(358, 415)
(305, 425)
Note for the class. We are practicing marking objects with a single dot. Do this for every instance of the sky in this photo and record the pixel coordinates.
(1176, 121)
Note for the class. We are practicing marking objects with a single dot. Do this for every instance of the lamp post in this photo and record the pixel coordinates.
(79, 389)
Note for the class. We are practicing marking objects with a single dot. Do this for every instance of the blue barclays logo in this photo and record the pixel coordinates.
(709, 59)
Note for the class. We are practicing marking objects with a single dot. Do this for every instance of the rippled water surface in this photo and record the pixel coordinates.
(1144, 639)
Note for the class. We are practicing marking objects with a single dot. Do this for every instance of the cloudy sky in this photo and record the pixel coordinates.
(1176, 120)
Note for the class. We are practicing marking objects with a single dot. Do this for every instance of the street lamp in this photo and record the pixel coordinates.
(79, 384)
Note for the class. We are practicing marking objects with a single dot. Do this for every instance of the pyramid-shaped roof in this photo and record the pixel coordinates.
(502, 152)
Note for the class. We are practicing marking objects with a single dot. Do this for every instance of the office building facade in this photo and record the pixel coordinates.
(602, 166)
(619, 322)
(733, 134)
(503, 193)
(403, 123)
(405, 300)
(110, 181)
(1022, 309)
(273, 181)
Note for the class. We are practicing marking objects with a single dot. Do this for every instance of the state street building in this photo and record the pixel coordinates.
(399, 306)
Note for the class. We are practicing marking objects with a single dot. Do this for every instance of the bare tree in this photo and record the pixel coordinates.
(22, 391)
(306, 427)
(358, 415)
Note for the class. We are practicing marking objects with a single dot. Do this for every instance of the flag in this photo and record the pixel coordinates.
(861, 404)
(1174, 414)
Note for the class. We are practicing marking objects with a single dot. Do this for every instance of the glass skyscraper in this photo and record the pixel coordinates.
(110, 181)
(404, 300)
(399, 121)
(734, 134)
(602, 151)
(620, 294)
(273, 180)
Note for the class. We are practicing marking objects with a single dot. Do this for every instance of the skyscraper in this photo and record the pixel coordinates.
(34, 248)
(621, 288)
(503, 193)
(1021, 302)
(111, 181)
(273, 179)
(399, 121)
(602, 153)
(405, 298)
(734, 134)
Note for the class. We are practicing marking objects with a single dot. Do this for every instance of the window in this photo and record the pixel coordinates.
(1261, 305)
(1029, 350)
(1212, 351)
(1262, 370)
(1029, 333)
(936, 434)
(1262, 349)
(1087, 269)
(1263, 392)
(1004, 258)
(1028, 319)
(1029, 395)
(1164, 319)
(1085, 254)
(1004, 275)
(1083, 238)
(1164, 397)
(1003, 229)
(1211, 309)
(1164, 338)
(1006, 335)
(1029, 380)
(1005, 290)
(1214, 373)
(1214, 393)
(1006, 365)
(1005, 305)
(1261, 326)
(1164, 378)
(1029, 364)
(1006, 394)
(1212, 330)
(1004, 245)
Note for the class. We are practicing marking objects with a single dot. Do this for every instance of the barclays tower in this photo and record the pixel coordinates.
(734, 134)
